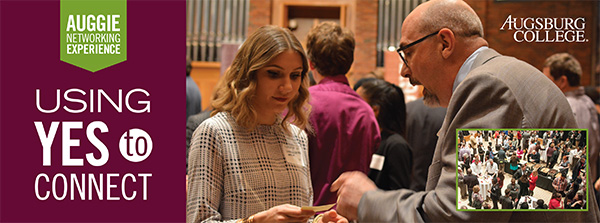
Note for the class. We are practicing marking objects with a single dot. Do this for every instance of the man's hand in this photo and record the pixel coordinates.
(350, 187)
(332, 216)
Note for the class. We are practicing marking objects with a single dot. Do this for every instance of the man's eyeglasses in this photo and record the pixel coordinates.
(401, 49)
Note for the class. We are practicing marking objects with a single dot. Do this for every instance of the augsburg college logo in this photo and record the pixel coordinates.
(546, 30)
(93, 34)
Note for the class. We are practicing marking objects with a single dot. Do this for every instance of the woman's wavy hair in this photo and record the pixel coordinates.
(236, 89)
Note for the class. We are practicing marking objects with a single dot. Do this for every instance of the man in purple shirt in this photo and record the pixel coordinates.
(346, 133)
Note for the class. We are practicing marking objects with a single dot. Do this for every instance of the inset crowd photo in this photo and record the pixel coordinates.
(522, 170)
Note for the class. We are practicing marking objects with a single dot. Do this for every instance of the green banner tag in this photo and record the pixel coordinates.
(93, 33)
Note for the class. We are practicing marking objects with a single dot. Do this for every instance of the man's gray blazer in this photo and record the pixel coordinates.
(498, 92)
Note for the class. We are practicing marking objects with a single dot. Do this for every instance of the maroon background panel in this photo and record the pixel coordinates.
(30, 60)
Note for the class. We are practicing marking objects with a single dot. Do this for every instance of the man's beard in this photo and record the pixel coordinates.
(430, 99)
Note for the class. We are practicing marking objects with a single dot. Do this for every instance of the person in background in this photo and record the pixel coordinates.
(554, 158)
(392, 162)
(573, 153)
(346, 133)
(531, 149)
(565, 165)
(490, 154)
(573, 189)
(422, 124)
(491, 168)
(577, 202)
(520, 172)
(532, 181)
(481, 152)
(477, 199)
(565, 71)
(523, 185)
(555, 201)
(560, 184)
(577, 167)
(466, 162)
(495, 192)
(525, 141)
(506, 201)
(568, 142)
(550, 155)
(470, 180)
(541, 204)
(501, 157)
(465, 154)
(461, 185)
(514, 163)
(521, 153)
(565, 151)
(515, 142)
(594, 94)
(248, 162)
(513, 190)
(498, 138)
(501, 178)
(534, 156)
(193, 99)
(193, 105)
(476, 166)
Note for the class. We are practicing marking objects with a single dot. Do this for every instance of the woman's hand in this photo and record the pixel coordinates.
(284, 213)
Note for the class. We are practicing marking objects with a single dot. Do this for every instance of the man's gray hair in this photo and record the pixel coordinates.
(459, 18)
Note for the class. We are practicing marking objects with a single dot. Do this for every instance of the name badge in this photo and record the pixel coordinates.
(377, 162)
(294, 155)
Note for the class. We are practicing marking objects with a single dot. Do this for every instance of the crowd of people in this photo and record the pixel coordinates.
(274, 146)
(481, 152)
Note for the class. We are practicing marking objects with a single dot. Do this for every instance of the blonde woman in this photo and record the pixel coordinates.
(248, 162)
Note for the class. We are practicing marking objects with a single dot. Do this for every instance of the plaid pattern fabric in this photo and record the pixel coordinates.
(559, 184)
(234, 173)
